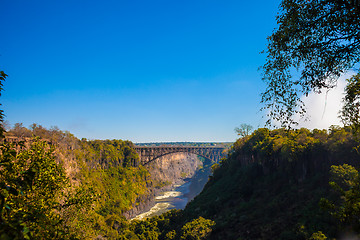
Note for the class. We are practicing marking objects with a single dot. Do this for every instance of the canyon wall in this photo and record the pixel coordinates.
(173, 168)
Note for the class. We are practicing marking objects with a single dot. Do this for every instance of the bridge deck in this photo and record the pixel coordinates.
(150, 153)
(173, 147)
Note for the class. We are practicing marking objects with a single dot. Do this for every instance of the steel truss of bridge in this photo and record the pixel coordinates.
(149, 154)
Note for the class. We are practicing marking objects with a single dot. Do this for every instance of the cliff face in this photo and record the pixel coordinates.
(166, 171)
(173, 168)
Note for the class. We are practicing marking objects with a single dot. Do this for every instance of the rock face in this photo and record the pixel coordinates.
(173, 168)
(166, 171)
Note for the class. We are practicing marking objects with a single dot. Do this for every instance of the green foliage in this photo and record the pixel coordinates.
(183, 174)
(146, 230)
(343, 176)
(31, 190)
(172, 225)
(109, 153)
(110, 168)
(318, 236)
(293, 145)
(346, 182)
(214, 167)
(118, 188)
(197, 229)
(280, 144)
(105, 182)
(271, 184)
(161, 184)
(315, 43)
(350, 112)
(170, 235)
(2, 79)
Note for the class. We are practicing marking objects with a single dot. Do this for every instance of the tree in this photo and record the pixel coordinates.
(350, 114)
(35, 194)
(20, 131)
(30, 188)
(316, 41)
(346, 182)
(244, 130)
(197, 229)
(2, 79)
(318, 236)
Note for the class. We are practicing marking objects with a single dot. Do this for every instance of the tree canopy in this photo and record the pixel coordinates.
(316, 41)
(345, 181)
(350, 112)
(244, 130)
(2, 79)
(31, 185)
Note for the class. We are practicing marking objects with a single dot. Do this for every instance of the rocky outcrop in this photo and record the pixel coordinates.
(143, 203)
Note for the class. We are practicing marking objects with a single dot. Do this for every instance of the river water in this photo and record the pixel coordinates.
(180, 195)
(175, 199)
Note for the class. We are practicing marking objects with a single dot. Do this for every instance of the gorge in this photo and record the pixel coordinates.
(268, 187)
(166, 173)
(179, 178)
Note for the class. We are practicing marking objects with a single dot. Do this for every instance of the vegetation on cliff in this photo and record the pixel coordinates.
(271, 185)
(97, 181)
(88, 184)
(35, 193)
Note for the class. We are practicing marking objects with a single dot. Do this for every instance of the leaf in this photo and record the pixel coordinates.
(26, 230)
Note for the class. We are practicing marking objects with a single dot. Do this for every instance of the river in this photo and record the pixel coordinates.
(179, 196)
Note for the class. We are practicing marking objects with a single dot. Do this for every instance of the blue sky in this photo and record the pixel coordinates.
(137, 70)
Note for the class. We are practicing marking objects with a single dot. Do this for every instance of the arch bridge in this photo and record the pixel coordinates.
(149, 154)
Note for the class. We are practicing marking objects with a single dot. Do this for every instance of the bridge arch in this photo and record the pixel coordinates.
(150, 154)
(154, 159)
